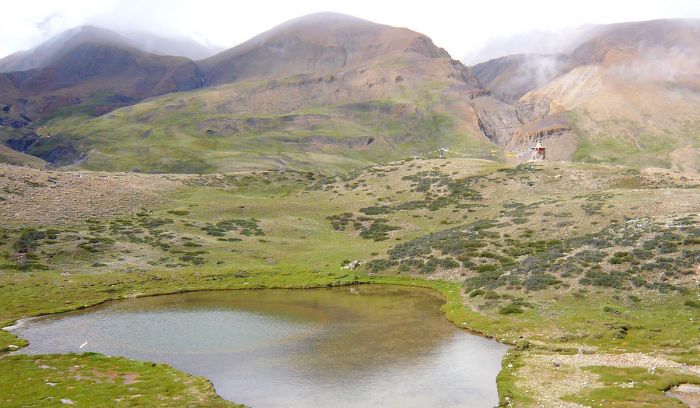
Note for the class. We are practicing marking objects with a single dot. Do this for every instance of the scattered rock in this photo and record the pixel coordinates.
(352, 265)
(688, 393)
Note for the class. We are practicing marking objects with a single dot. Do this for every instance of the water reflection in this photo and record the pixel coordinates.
(359, 346)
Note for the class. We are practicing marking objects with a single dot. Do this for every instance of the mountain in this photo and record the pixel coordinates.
(97, 76)
(319, 44)
(325, 91)
(49, 51)
(55, 47)
(176, 45)
(536, 42)
(629, 94)
(332, 92)
(84, 71)
(511, 77)
(90, 69)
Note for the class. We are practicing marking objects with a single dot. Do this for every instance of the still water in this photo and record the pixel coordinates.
(364, 346)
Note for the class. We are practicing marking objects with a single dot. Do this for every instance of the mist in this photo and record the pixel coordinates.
(462, 28)
(534, 42)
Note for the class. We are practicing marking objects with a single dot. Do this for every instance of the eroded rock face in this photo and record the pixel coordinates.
(550, 126)
(496, 119)
(627, 83)
(529, 110)
(59, 154)
(510, 117)
(519, 127)
(16, 130)
(23, 141)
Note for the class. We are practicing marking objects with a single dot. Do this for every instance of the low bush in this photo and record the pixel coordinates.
(510, 309)
(476, 292)
(693, 303)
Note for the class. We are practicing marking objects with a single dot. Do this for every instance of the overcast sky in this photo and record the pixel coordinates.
(459, 26)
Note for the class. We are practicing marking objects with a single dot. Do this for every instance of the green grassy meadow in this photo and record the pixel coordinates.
(554, 258)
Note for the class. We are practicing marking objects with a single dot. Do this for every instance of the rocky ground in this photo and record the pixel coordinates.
(688, 393)
(31, 197)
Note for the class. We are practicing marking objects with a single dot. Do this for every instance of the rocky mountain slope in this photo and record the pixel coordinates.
(95, 75)
(93, 70)
(333, 92)
(320, 44)
(86, 71)
(629, 94)
(325, 91)
(55, 47)
(49, 51)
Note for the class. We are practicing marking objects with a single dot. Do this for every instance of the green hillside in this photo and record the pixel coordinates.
(200, 132)
(554, 258)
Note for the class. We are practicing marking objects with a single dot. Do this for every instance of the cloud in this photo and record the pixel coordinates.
(51, 23)
(457, 26)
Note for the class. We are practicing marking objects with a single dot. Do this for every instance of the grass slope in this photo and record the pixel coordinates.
(94, 380)
(272, 127)
(545, 257)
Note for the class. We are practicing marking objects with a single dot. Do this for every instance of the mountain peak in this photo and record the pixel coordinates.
(60, 44)
(320, 43)
(327, 17)
(57, 46)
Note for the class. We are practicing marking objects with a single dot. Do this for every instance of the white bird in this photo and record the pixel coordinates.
(84, 344)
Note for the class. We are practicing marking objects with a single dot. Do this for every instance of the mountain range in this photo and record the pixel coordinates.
(332, 92)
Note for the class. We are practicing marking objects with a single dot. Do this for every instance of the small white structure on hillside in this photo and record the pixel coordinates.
(539, 152)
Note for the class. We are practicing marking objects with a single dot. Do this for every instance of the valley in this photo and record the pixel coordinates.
(531, 272)
(338, 154)
(329, 93)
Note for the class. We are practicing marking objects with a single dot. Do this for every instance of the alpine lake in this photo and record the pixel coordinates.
(356, 346)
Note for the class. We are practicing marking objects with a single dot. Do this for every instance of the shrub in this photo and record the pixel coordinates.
(620, 258)
(376, 210)
(485, 268)
(510, 309)
(430, 266)
(490, 280)
(178, 212)
(614, 279)
(193, 259)
(692, 303)
(29, 240)
(244, 227)
(378, 230)
(642, 254)
(540, 281)
(491, 295)
(448, 263)
(410, 264)
(476, 292)
(379, 265)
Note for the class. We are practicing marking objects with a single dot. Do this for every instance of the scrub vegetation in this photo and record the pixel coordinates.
(589, 271)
